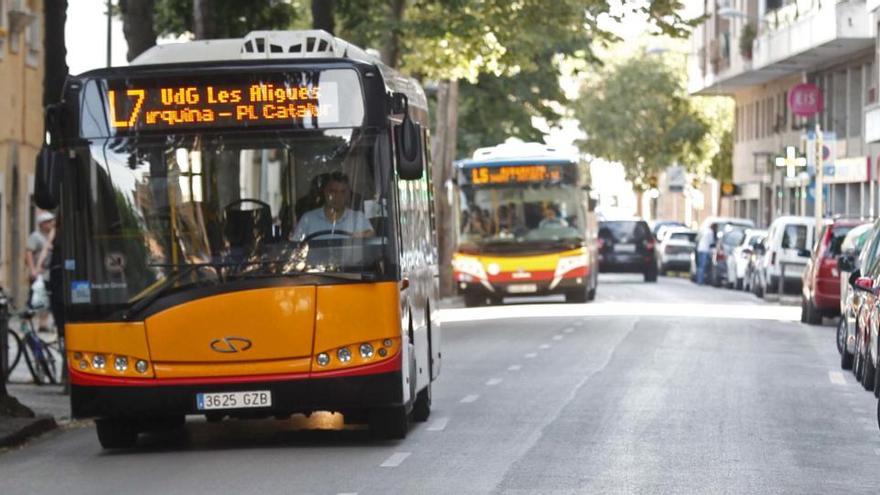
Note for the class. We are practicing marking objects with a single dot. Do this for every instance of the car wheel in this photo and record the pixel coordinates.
(591, 294)
(868, 373)
(651, 276)
(577, 296)
(841, 334)
(739, 284)
(814, 317)
(116, 433)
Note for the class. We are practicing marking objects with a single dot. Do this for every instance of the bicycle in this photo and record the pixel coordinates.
(39, 354)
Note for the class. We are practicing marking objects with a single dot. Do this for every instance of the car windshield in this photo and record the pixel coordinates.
(838, 234)
(236, 208)
(794, 237)
(624, 231)
(683, 236)
(733, 237)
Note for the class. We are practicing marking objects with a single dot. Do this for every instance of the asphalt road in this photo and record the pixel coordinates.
(652, 388)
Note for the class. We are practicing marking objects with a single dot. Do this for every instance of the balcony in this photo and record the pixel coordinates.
(798, 36)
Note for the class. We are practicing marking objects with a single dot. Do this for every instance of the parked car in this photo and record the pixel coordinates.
(753, 265)
(674, 251)
(865, 282)
(719, 223)
(820, 292)
(627, 246)
(728, 239)
(660, 228)
(849, 261)
(738, 261)
(789, 239)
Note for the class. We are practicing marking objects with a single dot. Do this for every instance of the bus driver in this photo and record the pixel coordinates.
(334, 216)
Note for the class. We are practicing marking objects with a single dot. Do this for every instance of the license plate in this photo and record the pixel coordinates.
(233, 400)
(624, 248)
(522, 288)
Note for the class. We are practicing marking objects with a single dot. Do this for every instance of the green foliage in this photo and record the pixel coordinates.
(638, 113)
(234, 18)
(746, 38)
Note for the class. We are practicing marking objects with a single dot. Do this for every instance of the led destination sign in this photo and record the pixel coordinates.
(290, 99)
(516, 174)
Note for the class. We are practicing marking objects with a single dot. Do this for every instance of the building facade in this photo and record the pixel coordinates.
(756, 51)
(21, 133)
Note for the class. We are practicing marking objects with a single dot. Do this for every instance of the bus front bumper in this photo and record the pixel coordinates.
(290, 396)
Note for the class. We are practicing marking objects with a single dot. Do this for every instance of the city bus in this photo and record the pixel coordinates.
(526, 225)
(247, 232)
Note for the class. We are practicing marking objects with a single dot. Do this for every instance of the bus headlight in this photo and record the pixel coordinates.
(141, 366)
(120, 363)
(323, 359)
(344, 355)
(366, 351)
(99, 361)
(469, 266)
(570, 263)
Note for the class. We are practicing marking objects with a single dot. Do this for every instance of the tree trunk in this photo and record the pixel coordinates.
(443, 154)
(391, 50)
(137, 25)
(204, 23)
(55, 53)
(322, 15)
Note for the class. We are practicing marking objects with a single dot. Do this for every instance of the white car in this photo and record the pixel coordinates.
(788, 245)
(738, 261)
(674, 253)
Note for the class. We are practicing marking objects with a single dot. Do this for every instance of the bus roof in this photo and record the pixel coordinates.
(296, 46)
(518, 154)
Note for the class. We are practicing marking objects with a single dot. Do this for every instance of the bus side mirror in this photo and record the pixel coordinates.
(47, 181)
(408, 146)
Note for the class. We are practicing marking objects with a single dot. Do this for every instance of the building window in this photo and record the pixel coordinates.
(854, 98)
(33, 35)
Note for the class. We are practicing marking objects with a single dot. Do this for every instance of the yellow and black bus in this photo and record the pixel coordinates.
(247, 232)
(526, 225)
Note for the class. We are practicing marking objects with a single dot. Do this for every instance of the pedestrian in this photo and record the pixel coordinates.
(38, 258)
(704, 252)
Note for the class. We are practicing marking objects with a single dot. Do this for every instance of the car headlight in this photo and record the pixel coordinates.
(470, 266)
(569, 263)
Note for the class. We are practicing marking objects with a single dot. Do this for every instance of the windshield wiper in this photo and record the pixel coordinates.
(168, 282)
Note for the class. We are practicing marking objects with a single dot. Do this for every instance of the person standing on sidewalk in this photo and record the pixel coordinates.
(38, 258)
(704, 252)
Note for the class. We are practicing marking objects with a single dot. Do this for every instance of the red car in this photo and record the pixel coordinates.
(821, 281)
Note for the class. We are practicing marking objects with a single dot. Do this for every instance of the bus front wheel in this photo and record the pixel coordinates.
(422, 406)
(116, 433)
(390, 423)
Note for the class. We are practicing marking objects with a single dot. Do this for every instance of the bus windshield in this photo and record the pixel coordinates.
(521, 216)
(209, 210)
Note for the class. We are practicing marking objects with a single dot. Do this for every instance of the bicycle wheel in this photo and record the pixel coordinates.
(14, 351)
(40, 361)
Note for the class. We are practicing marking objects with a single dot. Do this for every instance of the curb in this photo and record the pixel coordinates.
(15, 431)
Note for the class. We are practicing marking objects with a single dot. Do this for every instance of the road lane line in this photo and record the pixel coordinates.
(557, 337)
(469, 398)
(395, 459)
(438, 424)
(493, 381)
(514, 367)
(531, 355)
(859, 410)
(836, 378)
(568, 330)
(876, 451)
(544, 346)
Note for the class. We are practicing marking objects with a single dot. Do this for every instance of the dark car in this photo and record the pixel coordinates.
(627, 246)
(820, 293)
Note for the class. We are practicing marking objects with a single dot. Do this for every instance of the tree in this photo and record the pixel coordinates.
(138, 26)
(224, 18)
(638, 113)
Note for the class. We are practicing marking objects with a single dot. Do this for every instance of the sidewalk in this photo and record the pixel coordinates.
(48, 404)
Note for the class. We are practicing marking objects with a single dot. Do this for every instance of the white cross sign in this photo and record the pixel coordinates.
(790, 161)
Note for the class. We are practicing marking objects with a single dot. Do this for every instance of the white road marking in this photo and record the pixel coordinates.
(469, 398)
(557, 337)
(568, 330)
(870, 427)
(347, 493)
(438, 424)
(836, 378)
(859, 410)
(544, 346)
(865, 420)
(514, 367)
(876, 451)
(531, 355)
(395, 459)
(493, 381)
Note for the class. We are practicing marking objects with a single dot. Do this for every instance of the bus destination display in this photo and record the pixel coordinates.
(515, 174)
(134, 107)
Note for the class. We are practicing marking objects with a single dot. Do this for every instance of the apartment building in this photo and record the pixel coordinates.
(21, 132)
(756, 51)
